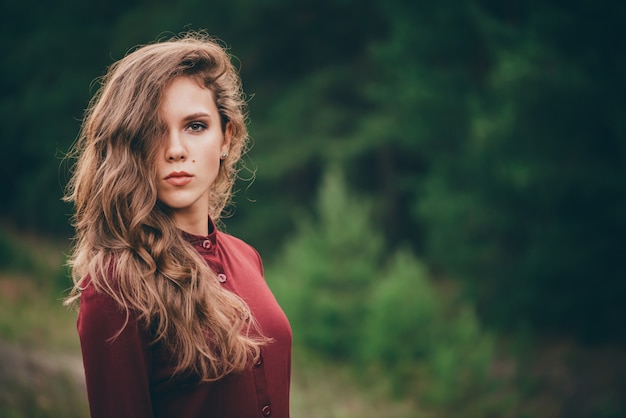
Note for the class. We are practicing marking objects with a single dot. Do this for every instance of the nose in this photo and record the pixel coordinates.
(175, 149)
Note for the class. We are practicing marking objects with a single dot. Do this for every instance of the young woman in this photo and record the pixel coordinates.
(175, 317)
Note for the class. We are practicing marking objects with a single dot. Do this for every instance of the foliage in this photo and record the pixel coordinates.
(348, 301)
(523, 203)
(417, 338)
(44, 265)
(12, 257)
(326, 271)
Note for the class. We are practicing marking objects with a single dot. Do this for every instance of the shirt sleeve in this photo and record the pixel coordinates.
(117, 369)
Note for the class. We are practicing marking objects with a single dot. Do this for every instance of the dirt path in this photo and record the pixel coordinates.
(39, 383)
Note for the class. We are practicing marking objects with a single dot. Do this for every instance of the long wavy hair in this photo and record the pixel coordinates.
(126, 243)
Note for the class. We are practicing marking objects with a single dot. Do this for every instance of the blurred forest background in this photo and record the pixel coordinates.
(439, 196)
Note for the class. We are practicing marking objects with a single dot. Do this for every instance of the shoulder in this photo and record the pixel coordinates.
(100, 316)
(233, 241)
(236, 247)
(103, 309)
(102, 283)
(100, 294)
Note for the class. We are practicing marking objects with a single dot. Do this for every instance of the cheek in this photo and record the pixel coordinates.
(210, 161)
(211, 155)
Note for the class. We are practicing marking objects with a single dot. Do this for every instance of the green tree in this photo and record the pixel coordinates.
(348, 300)
(324, 275)
(529, 207)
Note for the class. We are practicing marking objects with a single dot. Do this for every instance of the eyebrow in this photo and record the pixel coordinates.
(197, 115)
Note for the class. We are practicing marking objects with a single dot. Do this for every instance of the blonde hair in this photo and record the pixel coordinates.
(122, 231)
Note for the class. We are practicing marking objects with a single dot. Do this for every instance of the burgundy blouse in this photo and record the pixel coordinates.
(128, 378)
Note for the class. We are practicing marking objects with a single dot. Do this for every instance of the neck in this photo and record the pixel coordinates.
(196, 225)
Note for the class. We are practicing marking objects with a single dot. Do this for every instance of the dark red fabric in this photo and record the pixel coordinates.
(128, 378)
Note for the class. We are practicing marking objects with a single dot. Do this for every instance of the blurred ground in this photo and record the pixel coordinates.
(40, 384)
(567, 381)
(580, 382)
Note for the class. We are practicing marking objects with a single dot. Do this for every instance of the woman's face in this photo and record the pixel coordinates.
(189, 161)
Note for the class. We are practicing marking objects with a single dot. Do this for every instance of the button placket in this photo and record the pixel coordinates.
(263, 398)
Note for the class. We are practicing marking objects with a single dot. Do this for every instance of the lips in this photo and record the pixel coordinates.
(178, 178)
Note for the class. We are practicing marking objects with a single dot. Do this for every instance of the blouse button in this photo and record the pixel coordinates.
(266, 411)
(206, 244)
(221, 277)
(259, 361)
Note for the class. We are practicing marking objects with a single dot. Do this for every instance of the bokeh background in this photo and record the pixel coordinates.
(438, 193)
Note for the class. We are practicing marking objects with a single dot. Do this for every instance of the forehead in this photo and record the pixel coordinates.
(186, 94)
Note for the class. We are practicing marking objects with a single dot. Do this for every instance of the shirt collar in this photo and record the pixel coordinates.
(203, 243)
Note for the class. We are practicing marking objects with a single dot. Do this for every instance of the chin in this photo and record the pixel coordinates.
(177, 205)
